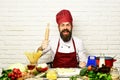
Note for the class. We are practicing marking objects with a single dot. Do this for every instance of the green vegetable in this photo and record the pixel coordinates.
(91, 74)
(101, 76)
(6, 71)
(4, 74)
(83, 71)
(109, 77)
(73, 78)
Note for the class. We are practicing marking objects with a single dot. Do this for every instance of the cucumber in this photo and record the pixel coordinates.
(83, 71)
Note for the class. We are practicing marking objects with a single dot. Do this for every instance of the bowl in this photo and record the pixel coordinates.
(39, 69)
(42, 67)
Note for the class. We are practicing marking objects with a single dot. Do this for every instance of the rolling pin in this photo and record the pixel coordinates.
(46, 37)
(47, 32)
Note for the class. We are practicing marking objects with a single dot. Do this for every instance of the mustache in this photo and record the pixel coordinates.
(65, 30)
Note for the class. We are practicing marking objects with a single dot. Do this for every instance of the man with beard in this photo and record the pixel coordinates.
(67, 50)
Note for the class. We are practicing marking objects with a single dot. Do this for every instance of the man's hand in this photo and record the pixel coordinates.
(82, 64)
(43, 45)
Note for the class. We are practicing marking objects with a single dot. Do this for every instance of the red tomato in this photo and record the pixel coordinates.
(9, 75)
(12, 78)
(15, 71)
(89, 68)
(12, 74)
(19, 72)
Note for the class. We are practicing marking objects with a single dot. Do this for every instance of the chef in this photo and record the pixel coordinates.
(67, 51)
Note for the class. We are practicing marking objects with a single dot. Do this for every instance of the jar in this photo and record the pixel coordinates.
(115, 74)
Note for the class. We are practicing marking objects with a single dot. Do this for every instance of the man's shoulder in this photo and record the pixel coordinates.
(76, 39)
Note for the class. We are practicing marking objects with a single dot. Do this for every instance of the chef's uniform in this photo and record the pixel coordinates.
(66, 54)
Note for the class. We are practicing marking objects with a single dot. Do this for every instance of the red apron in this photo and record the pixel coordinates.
(65, 60)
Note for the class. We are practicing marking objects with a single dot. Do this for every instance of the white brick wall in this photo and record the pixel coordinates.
(23, 23)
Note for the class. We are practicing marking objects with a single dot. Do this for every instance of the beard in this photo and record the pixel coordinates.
(66, 38)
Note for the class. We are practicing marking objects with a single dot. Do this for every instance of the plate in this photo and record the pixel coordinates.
(67, 72)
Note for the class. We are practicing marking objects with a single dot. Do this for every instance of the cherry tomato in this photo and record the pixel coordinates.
(9, 75)
(89, 68)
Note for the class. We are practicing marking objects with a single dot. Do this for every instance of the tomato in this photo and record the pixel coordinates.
(89, 68)
(9, 75)
(12, 78)
(16, 73)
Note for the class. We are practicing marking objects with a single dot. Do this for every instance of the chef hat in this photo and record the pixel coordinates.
(64, 16)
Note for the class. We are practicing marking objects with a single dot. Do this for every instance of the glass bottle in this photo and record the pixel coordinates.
(115, 74)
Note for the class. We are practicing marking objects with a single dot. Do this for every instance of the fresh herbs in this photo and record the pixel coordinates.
(96, 73)
(4, 74)
(74, 77)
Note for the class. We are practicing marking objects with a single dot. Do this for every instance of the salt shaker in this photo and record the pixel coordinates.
(102, 60)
